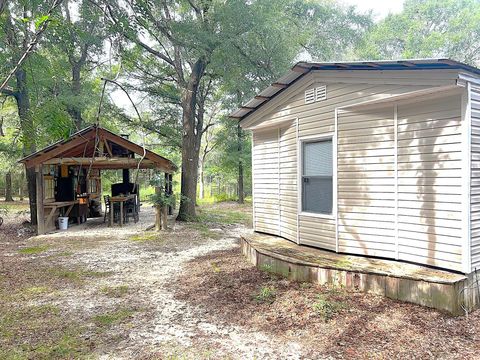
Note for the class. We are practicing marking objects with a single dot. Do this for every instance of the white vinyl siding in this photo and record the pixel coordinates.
(366, 183)
(367, 217)
(475, 178)
(430, 182)
(266, 181)
(288, 182)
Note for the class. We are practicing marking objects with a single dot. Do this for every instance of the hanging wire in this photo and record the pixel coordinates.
(97, 122)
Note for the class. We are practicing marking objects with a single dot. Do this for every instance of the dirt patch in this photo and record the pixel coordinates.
(124, 293)
(324, 322)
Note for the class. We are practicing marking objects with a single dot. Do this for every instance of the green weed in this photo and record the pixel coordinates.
(266, 294)
(326, 308)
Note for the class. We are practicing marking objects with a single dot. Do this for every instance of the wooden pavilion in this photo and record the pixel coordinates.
(68, 173)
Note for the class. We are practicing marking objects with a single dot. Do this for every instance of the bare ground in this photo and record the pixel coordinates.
(188, 293)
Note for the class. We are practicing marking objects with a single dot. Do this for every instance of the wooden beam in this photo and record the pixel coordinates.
(160, 161)
(40, 210)
(108, 147)
(54, 152)
(101, 145)
(105, 162)
(260, 97)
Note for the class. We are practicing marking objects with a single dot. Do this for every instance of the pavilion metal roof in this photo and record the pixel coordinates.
(302, 68)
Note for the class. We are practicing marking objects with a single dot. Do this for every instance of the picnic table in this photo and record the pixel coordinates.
(121, 199)
(56, 205)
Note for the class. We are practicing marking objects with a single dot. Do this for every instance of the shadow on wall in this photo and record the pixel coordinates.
(361, 135)
(421, 137)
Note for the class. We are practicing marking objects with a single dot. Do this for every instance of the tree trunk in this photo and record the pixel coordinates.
(74, 109)
(202, 181)
(20, 187)
(241, 197)
(28, 137)
(192, 135)
(8, 186)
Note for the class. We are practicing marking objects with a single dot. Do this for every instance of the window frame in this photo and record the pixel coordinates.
(301, 142)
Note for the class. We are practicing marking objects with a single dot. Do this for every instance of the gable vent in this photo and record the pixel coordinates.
(321, 93)
(316, 94)
(309, 96)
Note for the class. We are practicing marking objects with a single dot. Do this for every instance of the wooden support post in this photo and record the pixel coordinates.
(158, 214)
(170, 191)
(164, 211)
(40, 210)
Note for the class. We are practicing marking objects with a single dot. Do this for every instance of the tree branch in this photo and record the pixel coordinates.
(32, 44)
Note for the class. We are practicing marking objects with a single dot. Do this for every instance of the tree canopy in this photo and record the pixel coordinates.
(187, 64)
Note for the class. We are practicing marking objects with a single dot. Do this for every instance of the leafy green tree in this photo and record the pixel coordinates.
(22, 24)
(78, 43)
(427, 28)
(192, 42)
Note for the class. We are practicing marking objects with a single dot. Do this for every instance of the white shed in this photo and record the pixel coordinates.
(378, 158)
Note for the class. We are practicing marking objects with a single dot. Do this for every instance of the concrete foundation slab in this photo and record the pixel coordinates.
(439, 289)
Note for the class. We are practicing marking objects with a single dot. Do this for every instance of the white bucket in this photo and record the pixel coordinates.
(63, 223)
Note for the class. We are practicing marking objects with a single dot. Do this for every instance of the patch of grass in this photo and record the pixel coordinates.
(215, 267)
(61, 254)
(224, 216)
(326, 308)
(112, 318)
(69, 346)
(151, 236)
(266, 294)
(204, 230)
(35, 290)
(115, 291)
(77, 275)
(33, 250)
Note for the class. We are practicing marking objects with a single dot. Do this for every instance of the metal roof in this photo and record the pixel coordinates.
(302, 68)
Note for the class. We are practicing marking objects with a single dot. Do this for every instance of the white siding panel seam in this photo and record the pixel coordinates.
(279, 177)
(395, 152)
(335, 176)
(466, 173)
(253, 183)
(298, 174)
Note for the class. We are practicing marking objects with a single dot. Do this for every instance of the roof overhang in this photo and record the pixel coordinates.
(300, 69)
(85, 142)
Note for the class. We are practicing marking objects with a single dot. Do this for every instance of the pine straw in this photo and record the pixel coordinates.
(364, 326)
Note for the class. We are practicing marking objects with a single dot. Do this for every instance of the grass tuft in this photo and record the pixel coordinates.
(326, 308)
(266, 294)
(151, 236)
(33, 250)
(113, 318)
(115, 291)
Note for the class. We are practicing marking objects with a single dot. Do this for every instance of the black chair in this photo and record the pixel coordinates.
(131, 210)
